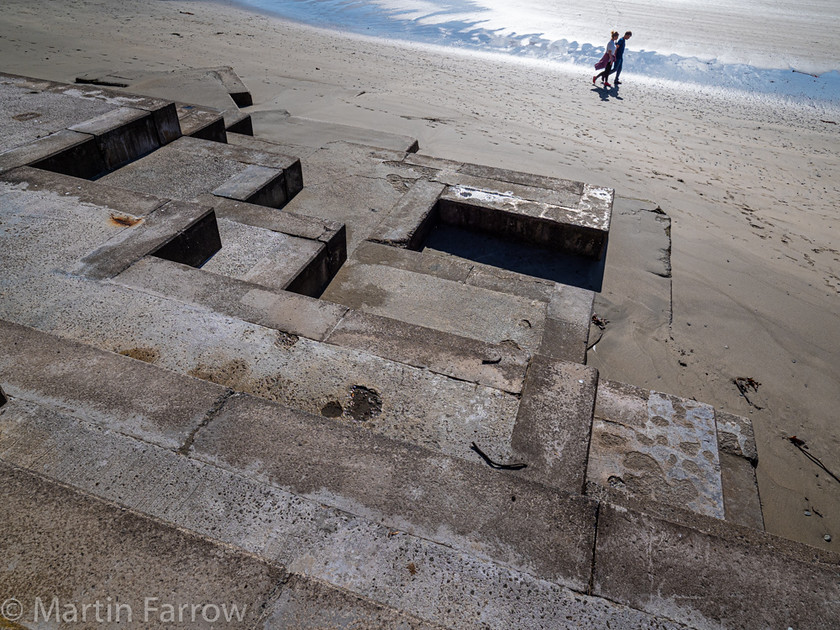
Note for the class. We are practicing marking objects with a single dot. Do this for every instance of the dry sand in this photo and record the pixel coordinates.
(750, 186)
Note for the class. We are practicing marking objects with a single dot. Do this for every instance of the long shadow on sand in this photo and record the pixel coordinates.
(607, 93)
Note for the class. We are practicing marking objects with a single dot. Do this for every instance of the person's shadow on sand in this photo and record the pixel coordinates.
(606, 93)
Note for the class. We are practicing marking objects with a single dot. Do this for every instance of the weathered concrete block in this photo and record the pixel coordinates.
(288, 312)
(239, 122)
(433, 302)
(567, 324)
(409, 222)
(564, 341)
(569, 230)
(333, 235)
(77, 152)
(115, 391)
(200, 123)
(622, 403)
(163, 225)
(256, 184)
(122, 135)
(265, 257)
(234, 86)
(554, 422)
(167, 124)
(499, 366)
(121, 202)
(80, 160)
(434, 497)
(745, 580)
(194, 244)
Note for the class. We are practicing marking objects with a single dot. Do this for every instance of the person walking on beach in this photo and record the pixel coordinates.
(606, 61)
(619, 55)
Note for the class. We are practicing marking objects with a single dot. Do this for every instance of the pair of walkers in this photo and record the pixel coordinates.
(613, 59)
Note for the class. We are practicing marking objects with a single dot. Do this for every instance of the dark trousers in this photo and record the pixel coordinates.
(618, 64)
(605, 75)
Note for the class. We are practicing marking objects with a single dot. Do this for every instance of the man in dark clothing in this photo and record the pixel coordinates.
(619, 54)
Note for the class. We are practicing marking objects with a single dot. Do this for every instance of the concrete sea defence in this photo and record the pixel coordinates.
(239, 370)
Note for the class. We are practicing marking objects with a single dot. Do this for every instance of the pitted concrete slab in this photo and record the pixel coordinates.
(664, 448)
(74, 550)
(31, 212)
(117, 392)
(636, 451)
(501, 366)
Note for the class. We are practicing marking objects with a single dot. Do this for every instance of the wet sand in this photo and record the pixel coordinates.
(749, 184)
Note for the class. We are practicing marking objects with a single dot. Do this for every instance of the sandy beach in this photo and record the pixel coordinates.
(749, 184)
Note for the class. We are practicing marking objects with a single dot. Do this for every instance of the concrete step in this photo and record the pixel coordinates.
(466, 298)
(191, 167)
(330, 561)
(389, 522)
(328, 238)
(79, 559)
(563, 215)
(278, 250)
(445, 392)
(264, 257)
(438, 303)
(201, 122)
